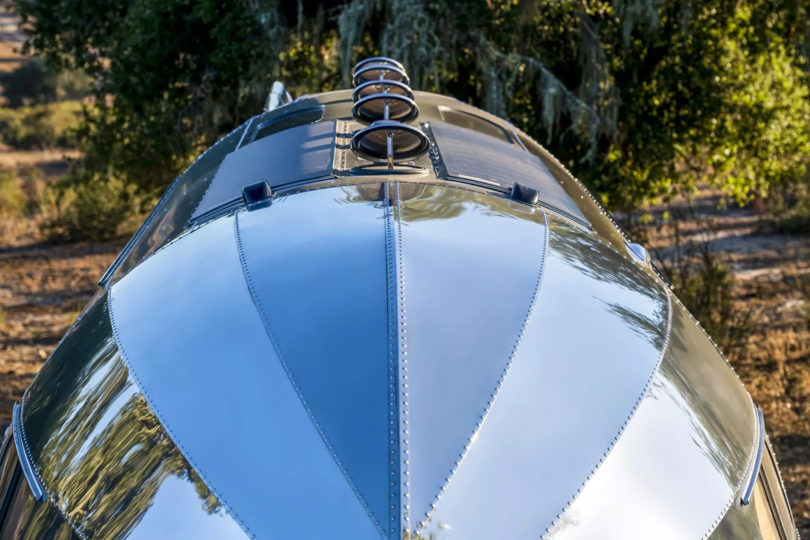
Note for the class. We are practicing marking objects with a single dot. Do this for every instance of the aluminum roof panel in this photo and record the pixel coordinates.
(590, 347)
(693, 434)
(196, 345)
(434, 279)
(470, 267)
(316, 266)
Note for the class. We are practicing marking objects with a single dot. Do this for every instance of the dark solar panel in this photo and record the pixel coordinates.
(471, 155)
(294, 154)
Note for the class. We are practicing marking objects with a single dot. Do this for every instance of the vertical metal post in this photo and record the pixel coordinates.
(390, 142)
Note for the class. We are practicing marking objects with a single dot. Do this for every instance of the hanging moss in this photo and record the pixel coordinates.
(636, 13)
(351, 22)
(412, 36)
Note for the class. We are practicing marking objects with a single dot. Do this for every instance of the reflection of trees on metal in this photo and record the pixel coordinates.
(100, 448)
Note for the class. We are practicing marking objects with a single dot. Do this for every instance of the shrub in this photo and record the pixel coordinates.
(33, 83)
(32, 181)
(12, 197)
(41, 126)
(89, 209)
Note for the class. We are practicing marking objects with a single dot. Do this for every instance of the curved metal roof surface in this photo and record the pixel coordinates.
(389, 354)
(448, 360)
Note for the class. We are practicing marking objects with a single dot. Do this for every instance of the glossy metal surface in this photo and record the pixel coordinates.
(316, 265)
(10, 472)
(590, 346)
(748, 490)
(767, 515)
(484, 259)
(345, 362)
(29, 519)
(772, 481)
(294, 154)
(194, 340)
(469, 154)
(684, 456)
(752, 521)
(102, 453)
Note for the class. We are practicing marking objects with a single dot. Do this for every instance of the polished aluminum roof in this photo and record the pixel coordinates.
(411, 352)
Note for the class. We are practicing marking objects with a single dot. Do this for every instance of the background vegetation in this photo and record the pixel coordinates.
(643, 98)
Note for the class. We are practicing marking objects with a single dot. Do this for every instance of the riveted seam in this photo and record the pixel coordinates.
(291, 376)
(630, 416)
(392, 318)
(153, 405)
(402, 319)
(504, 373)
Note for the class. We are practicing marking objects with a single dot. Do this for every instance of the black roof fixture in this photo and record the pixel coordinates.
(257, 195)
(389, 140)
(384, 100)
(524, 194)
(385, 107)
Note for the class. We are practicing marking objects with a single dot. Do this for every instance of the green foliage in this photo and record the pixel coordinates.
(51, 125)
(12, 197)
(94, 208)
(34, 83)
(642, 98)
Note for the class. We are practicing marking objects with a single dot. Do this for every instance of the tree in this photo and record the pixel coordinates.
(642, 98)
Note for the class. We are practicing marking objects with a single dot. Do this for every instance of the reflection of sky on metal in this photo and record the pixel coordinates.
(529, 345)
(103, 454)
(250, 439)
(682, 457)
(577, 374)
(175, 499)
(470, 269)
(316, 268)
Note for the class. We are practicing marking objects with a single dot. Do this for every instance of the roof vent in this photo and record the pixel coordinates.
(257, 195)
(524, 194)
(379, 68)
(385, 106)
(384, 100)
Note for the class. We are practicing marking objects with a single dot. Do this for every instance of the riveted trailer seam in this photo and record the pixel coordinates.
(153, 405)
(630, 416)
(504, 373)
(402, 358)
(394, 524)
(291, 376)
